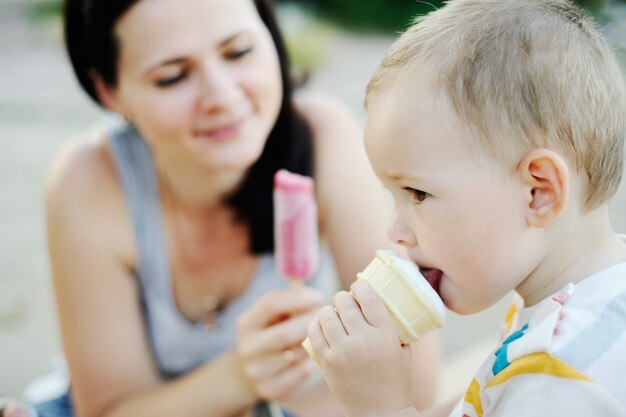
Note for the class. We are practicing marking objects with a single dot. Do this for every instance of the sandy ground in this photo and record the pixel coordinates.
(41, 106)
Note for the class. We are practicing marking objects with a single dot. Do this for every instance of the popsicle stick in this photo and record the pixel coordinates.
(296, 282)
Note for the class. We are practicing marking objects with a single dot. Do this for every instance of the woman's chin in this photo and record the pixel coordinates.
(229, 163)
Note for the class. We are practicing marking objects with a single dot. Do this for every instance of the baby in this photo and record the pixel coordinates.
(497, 126)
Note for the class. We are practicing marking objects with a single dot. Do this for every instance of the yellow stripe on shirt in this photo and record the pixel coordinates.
(538, 363)
(509, 318)
(472, 396)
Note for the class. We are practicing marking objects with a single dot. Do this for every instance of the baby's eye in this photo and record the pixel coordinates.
(238, 53)
(417, 195)
(171, 80)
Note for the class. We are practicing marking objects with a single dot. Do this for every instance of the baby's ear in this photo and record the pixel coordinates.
(547, 178)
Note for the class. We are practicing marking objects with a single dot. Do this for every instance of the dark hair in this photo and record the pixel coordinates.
(92, 46)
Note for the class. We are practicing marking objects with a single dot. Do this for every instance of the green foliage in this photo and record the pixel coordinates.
(590, 4)
(369, 15)
(388, 15)
(359, 15)
(307, 46)
(45, 9)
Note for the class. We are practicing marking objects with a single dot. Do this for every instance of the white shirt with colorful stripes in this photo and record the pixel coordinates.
(566, 357)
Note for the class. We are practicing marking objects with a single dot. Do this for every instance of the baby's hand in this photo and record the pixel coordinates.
(364, 364)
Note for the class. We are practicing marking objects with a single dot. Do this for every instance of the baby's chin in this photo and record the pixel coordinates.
(466, 306)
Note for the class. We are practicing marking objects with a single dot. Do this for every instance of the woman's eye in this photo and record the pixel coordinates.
(169, 81)
(417, 195)
(238, 53)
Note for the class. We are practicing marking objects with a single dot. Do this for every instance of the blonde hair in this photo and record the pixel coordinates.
(523, 74)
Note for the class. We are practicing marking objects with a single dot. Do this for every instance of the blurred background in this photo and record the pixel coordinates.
(335, 46)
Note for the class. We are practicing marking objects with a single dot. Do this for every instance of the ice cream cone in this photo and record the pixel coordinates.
(415, 307)
(413, 304)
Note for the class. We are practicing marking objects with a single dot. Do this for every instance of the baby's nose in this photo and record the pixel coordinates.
(399, 232)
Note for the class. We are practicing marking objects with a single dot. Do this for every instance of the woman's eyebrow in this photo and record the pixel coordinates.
(231, 38)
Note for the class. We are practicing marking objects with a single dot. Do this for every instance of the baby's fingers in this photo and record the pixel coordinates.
(319, 345)
(350, 313)
(332, 328)
(372, 305)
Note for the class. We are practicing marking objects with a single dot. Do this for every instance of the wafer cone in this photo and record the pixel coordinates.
(413, 304)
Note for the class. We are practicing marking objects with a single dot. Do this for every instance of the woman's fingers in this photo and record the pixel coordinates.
(277, 374)
(278, 305)
(290, 332)
(13, 410)
(283, 383)
(270, 335)
(275, 362)
(279, 320)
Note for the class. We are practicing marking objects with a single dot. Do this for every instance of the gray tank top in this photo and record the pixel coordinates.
(178, 346)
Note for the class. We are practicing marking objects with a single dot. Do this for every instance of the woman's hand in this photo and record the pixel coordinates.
(270, 334)
(357, 345)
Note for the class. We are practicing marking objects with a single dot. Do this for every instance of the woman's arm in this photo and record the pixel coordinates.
(354, 212)
(339, 160)
(92, 256)
(353, 206)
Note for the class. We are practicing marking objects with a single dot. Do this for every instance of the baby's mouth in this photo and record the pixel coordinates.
(433, 276)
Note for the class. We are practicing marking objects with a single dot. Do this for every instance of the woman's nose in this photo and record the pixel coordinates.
(399, 232)
(219, 89)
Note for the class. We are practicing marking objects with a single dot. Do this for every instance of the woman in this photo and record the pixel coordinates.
(160, 230)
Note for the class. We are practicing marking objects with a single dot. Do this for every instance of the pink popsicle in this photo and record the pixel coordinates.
(295, 225)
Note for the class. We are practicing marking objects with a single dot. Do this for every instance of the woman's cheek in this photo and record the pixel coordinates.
(172, 111)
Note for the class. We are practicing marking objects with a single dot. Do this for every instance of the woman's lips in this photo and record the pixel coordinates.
(221, 133)
(433, 276)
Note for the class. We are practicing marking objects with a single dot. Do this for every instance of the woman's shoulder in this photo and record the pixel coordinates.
(328, 117)
(83, 197)
(83, 172)
(317, 101)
